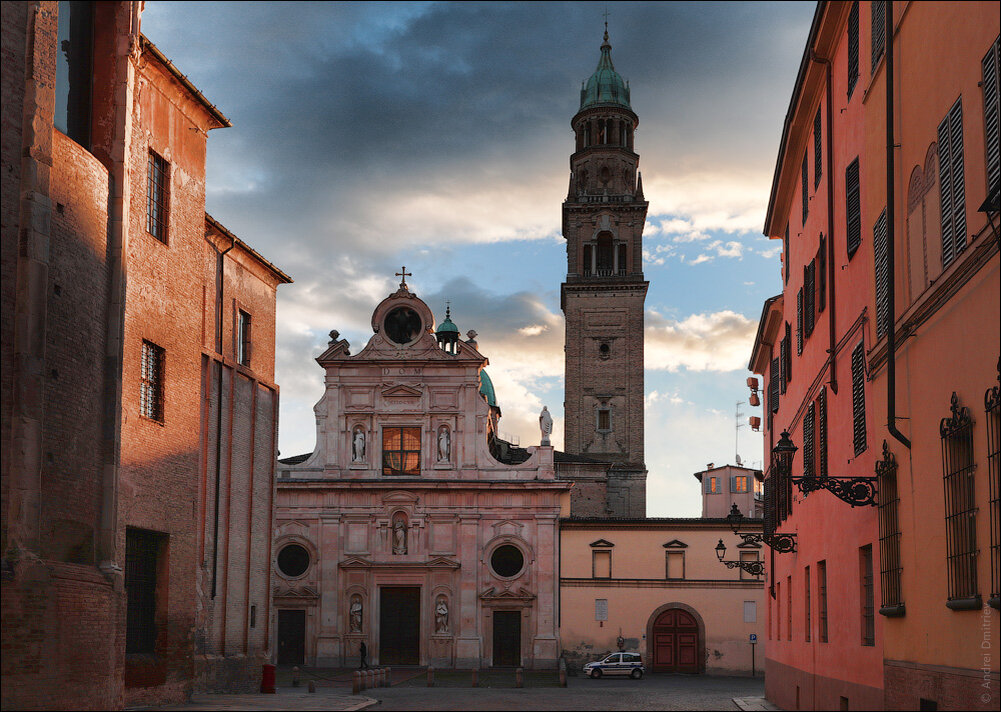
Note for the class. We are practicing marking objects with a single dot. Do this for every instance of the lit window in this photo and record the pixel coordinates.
(740, 484)
(401, 451)
(712, 485)
(151, 382)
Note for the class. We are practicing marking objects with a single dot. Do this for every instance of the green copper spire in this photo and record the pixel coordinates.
(606, 85)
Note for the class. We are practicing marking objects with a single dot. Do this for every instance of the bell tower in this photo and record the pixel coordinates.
(604, 292)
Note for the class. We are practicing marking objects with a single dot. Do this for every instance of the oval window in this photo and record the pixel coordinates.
(293, 560)
(507, 561)
(402, 325)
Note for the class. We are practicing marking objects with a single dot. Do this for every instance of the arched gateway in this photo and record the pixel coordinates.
(676, 639)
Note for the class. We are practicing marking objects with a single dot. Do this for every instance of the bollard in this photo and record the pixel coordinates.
(563, 672)
(371, 679)
(519, 680)
(355, 682)
(430, 676)
(476, 677)
(268, 680)
(295, 677)
(389, 677)
(384, 680)
(312, 686)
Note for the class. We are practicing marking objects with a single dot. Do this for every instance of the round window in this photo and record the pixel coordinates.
(507, 561)
(402, 325)
(293, 560)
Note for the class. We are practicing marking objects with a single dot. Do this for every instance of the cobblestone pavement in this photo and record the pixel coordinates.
(297, 698)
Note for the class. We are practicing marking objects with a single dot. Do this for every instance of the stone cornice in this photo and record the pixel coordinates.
(659, 583)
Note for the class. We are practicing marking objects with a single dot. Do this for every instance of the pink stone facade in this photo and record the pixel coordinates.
(422, 539)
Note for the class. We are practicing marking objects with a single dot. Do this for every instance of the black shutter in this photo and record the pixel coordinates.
(785, 262)
(853, 208)
(822, 274)
(809, 422)
(822, 433)
(852, 49)
(773, 386)
(952, 187)
(878, 28)
(818, 161)
(799, 321)
(806, 195)
(809, 293)
(788, 340)
(858, 398)
(879, 249)
(783, 361)
(992, 113)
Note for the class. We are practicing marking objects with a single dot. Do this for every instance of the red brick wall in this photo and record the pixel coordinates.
(953, 689)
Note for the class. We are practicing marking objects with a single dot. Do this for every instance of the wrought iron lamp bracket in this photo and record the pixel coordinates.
(856, 491)
(752, 568)
(780, 542)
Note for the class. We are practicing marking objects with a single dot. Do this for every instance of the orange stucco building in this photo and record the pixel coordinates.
(881, 362)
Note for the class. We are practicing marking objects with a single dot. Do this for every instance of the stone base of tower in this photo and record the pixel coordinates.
(603, 489)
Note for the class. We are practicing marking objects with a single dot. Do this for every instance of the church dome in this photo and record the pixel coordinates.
(487, 389)
(606, 86)
(447, 327)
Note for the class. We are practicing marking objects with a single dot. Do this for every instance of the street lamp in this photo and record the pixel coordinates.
(780, 542)
(753, 568)
(856, 491)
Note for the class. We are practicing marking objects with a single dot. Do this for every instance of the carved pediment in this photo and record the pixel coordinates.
(401, 390)
(601, 544)
(355, 562)
(295, 592)
(675, 544)
(443, 562)
(493, 595)
(508, 528)
(400, 497)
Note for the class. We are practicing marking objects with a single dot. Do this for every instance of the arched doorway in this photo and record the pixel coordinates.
(676, 640)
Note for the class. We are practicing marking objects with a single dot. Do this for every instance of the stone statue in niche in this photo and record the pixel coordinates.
(399, 536)
(441, 615)
(358, 446)
(444, 444)
(355, 612)
(545, 425)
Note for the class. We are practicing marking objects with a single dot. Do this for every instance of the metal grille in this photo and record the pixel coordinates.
(151, 382)
(809, 453)
(806, 195)
(853, 208)
(809, 295)
(889, 531)
(878, 28)
(822, 601)
(952, 186)
(142, 550)
(157, 196)
(858, 398)
(822, 274)
(807, 622)
(817, 155)
(822, 432)
(799, 321)
(991, 66)
(992, 405)
(868, 604)
(879, 250)
(853, 49)
(960, 506)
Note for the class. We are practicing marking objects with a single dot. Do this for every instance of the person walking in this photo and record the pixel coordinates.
(363, 650)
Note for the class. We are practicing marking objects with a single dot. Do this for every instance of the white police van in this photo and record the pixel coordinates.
(630, 664)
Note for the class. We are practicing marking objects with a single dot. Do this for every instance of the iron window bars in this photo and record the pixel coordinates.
(992, 407)
(960, 507)
(890, 569)
(157, 196)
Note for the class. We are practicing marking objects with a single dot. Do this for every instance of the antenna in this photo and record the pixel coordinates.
(737, 415)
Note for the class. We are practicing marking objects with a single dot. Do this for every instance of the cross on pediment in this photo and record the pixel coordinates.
(403, 274)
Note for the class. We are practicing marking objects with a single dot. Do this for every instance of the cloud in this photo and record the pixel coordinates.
(720, 341)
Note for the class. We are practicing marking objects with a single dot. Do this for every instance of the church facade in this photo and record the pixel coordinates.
(411, 529)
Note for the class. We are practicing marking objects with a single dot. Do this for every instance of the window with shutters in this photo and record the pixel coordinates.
(822, 601)
(960, 506)
(818, 161)
(822, 274)
(878, 29)
(773, 385)
(785, 261)
(822, 432)
(853, 208)
(991, 81)
(806, 195)
(866, 597)
(853, 49)
(788, 366)
(809, 442)
(712, 485)
(809, 295)
(889, 535)
(783, 363)
(858, 398)
(799, 321)
(880, 259)
(739, 483)
(951, 184)
(807, 623)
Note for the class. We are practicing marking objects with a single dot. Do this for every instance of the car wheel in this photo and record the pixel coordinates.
(596, 674)
(636, 674)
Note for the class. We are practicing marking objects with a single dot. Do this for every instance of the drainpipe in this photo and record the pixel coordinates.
(832, 347)
(218, 421)
(891, 332)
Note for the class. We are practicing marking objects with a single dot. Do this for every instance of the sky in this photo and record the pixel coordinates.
(368, 136)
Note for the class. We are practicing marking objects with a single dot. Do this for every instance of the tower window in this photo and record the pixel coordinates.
(604, 351)
(604, 419)
(605, 256)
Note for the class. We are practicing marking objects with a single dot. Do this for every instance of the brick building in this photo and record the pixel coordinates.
(126, 580)
(877, 355)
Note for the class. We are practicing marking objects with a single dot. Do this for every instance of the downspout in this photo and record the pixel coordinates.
(832, 347)
(891, 332)
(218, 422)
